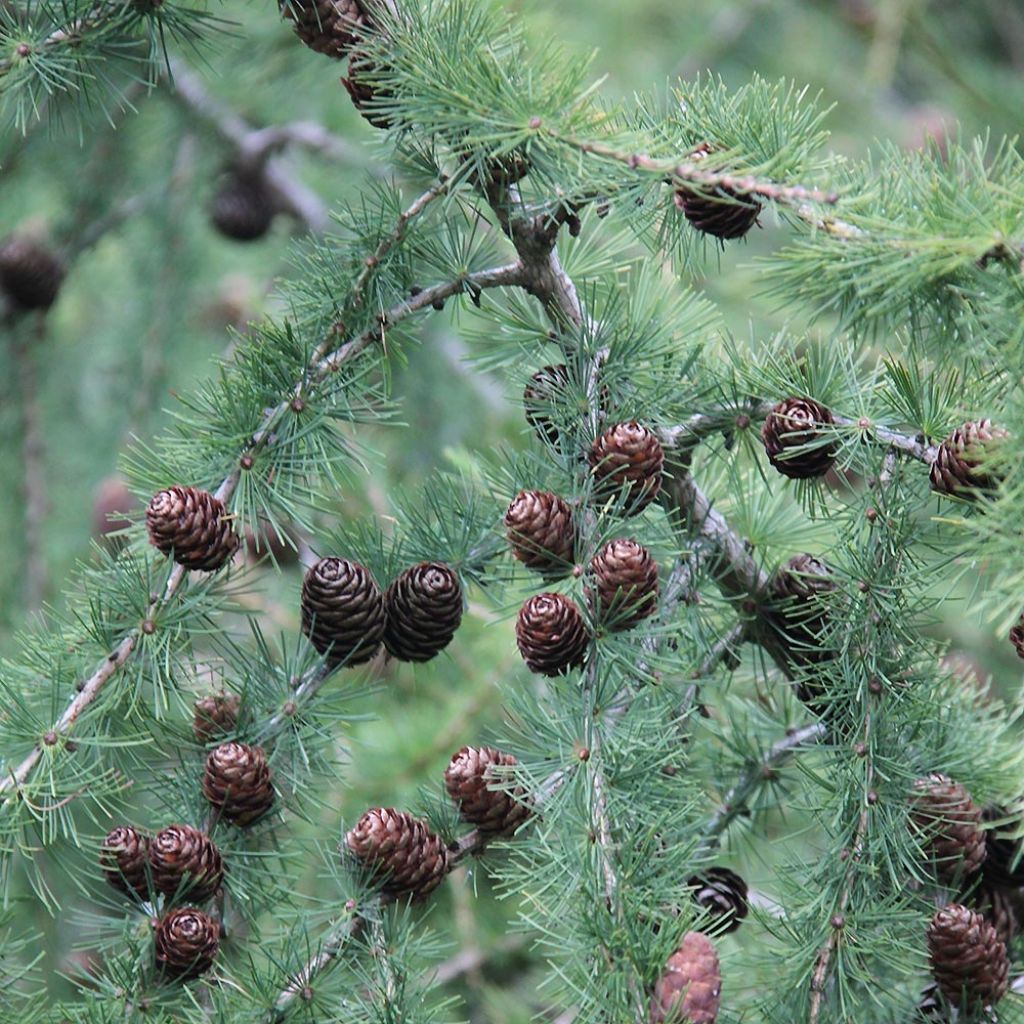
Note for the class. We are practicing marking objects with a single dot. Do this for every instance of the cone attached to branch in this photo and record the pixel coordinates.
(799, 591)
(30, 273)
(400, 851)
(690, 989)
(627, 454)
(551, 634)
(999, 906)
(718, 210)
(186, 942)
(238, 782)
(961, 465)
(625, 580)
(330, 27)
(214, 715)
(950, 822)
(469, 779)
(192, 527)
(968, 960)
(181, 858)
(364, 93)
(123, 857)
(243, 206)
(342, 611)
(1004, 862)
(795, 424)
(423, 610)
(542, 533)
(723, 894)
(544, 392)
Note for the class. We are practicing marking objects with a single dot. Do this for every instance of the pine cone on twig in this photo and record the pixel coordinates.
(627, 454)
(723, 894)
(423, 610)
(625, 580)
(331, 27)
(794, 440)
(950, 823)
(551, 634)
(718, 211)
(961, 464)
(690, 989)
(342, 611)
(186, 942)
(192, 527)
(215, 715)
(469, 779)
(541, 532)
(969, 962)
(185, 861)
(238, 782)
(123, 857)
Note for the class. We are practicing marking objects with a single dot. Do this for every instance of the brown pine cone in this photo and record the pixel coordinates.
(1016, 637)
(330, 27)
(551, 634)
(718, 211)
(949, 820)
(545, 391)
(215, 715)
(467, 779)
(183, 858)
(400, 851)
(791, 425)
(123, 857)
(1004, 864)
(342, 611)
(192, 527)
(798, 591)
(238, 782)
(187, 941)
(691, 987)
(366, 95)
(541, 532)
(423, 610)
(627, 453)
(243, 206)
(626, 579)
(30, 273)
(968, 960)
(723, 894)
(959, 467)
(999, 906)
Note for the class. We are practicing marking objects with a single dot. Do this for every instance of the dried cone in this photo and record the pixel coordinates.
(545, 391)
(243, 207)
(950, 822)
(799, 591)
(342, 611)
(723, 894)
(400, 851)
(330, 27)
(30, 273)
(469, 778)
(423, 610)
(628, 453)
(238, 782)
(717, 211)
(541, 532)
(183, 858)
(186, 943)
(626, 579)
(192, 527)
(689, 990)
(960, 466)
(791, 425)
(214, 715)
(361, 89)
(551, 634)
(123, 857)
(968, 960)
(1017, 637)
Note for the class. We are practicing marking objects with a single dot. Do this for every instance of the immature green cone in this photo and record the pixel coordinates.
(400, 851)
(541, 532)
(214, 715)
(469, 778)
(950, 823)
(690, 989)
(551, 634)
(186, 942)
(791, 425)
(192, 527)
(959, 467)
(342, 611)
(718, 211)
(330, 27)
(243, 207)
(238, 782)
(546, 390)
(627, 454)
(423, 610)
(181, 858)
(968, 960)
(625, 580)
(30, 273)
(364, 93)
(723, 894)
(123, 857)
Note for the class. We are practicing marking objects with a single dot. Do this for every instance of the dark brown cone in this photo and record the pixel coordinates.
(215, 715)
(689, 990)
(243, 207)
(626, 579)
(123, 857)
(423, 610)
(716, 211)
(999, 907)
(342, 611)
(330, 27)
(364, 94)
(551, 634)
(400, 851)
(30, 273)
(798, 593)
(969, 962)
(541, 532)
(1004, 864)
(468, 779)
(238, 782)
(627, 453)
(723, 894)
(791, 425)
(544, 392)
(182, 857)
(192, 527)
(959, 467)
(187, 941)
(1016, 636)
(949, 820)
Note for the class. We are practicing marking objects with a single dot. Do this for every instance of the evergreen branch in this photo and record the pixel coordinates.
(916, 447)
(69, 36)
(467, 961)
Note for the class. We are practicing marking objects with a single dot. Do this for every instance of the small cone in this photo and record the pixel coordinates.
(215, 715)
(123, 857)
(1004, 864)
(799, 591)
(546, 391)
(469, 778)
(999, 907)
(342, 611)
(423, 609)
(238, 782)
(723, 894)
(627, 454)
(330, 27)
(690, 989)
(186, 943)
(551, 634)
(181, 858)
(626, 583)
(949, 821)
(30, 273)
(192, 527)
(400, 851)
(365, 95)
(960, 466)
(243, 207)
(717, 211)
(541, 532)
(968, 961)
(788, 428)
